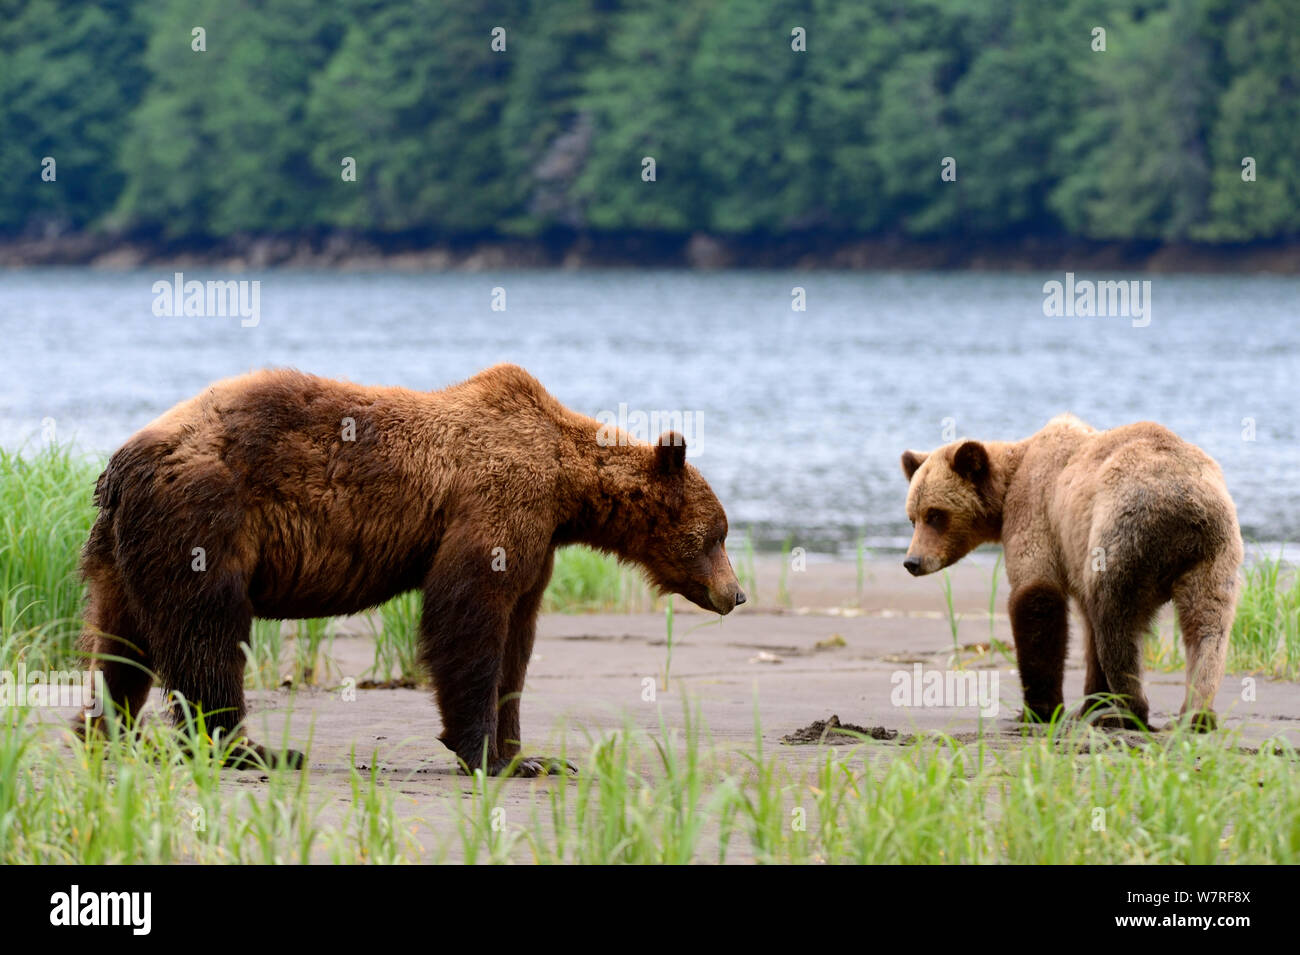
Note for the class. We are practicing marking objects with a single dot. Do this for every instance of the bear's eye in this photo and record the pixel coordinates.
(936, 518)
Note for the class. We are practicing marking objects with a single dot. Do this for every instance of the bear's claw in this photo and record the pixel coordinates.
(532, 766)
(255, 756)
(1201, 721)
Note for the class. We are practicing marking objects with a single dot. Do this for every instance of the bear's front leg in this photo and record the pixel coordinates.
(514, 664)
(476, 647)
(1041, 628)
(462, 638)
(464, 659)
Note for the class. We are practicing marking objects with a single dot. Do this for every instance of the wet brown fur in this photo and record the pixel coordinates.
(298, 522)
(1151, 506)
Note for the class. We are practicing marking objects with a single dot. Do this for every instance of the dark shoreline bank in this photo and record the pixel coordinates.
(571, 250)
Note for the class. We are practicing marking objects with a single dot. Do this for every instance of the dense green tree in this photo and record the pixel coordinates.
(218, 145)
(854, 50)
(848, 55)
(638, 99)
(910, 139)
(748, 112)
(1010, 109)
(415, 95)
(450, 136)
(924, 49)
(546, 137)
(1139, 158)
(70, 75)
(1259, 117)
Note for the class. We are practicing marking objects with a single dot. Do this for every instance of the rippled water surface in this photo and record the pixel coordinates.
(800, 416)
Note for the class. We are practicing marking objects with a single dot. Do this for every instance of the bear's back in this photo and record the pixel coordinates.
(259, 420)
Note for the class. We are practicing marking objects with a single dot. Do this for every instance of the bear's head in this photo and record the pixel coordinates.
(685, 551)
(952, 504)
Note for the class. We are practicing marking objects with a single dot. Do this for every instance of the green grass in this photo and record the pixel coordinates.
(311, 650)
(264, 653)
(665, 797)
(585, 580)
(1161, 650)
(1266, 632)
(861, 553)
(161, 796)
(668, 629)
(397, 641)
(671, 798)
(950, 609)
(993, 597)
(746, 572)
(45, 516)
(783, 581)
(306, 661)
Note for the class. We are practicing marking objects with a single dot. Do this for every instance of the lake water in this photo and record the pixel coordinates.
(799, 417)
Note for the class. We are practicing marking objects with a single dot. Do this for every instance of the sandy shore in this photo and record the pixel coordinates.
(829, 653)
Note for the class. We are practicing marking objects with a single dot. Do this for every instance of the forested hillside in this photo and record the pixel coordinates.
(1144, 140)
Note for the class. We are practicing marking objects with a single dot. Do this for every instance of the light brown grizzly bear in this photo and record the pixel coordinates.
(1121, 520)
(282, 495)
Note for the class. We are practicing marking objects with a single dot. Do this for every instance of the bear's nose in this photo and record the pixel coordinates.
(913, 565)
(740, 597)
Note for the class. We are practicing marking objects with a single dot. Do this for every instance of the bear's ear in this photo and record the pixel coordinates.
(670, 453)
(911, 461)
(971, 461)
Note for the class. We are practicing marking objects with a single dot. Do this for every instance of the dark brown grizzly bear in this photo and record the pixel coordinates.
(282, 495)
(1122, 521)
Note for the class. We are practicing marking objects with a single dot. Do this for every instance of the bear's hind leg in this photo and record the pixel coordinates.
(1206, 600)
(514, 664)
(113, 644)
(1117, 633)
(1095, 686)
(204, 663)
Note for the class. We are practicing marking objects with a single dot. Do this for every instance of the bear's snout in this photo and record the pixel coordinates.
(727, 599)
(913, 565)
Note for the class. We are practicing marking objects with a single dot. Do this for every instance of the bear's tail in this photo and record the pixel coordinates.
(108, 485)
(126, 470)
(100, 546)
